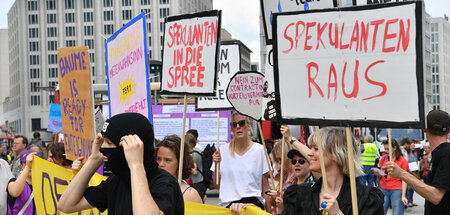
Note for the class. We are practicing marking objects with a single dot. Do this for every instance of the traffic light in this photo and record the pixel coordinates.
(155, 67)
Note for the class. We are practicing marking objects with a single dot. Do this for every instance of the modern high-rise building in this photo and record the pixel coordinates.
(38, 27)
(440, 62)
(4, 70)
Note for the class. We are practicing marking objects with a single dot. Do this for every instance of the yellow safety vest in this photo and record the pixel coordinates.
(369, 155)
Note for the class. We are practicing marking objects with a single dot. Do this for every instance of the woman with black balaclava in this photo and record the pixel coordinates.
(136, 185)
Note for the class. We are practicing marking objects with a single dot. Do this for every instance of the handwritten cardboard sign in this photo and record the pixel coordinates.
(229, 64)
(190, 54)
(245, 93)
(269, 7)
(353, 66)
(49, 183)
(127, 66)
(76, 101)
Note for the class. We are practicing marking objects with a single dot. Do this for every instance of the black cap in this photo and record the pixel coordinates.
(293, 152)
(438, 122)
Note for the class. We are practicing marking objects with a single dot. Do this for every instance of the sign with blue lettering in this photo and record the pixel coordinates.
(76, 101)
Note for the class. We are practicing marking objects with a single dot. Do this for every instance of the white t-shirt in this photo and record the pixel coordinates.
(241, 176)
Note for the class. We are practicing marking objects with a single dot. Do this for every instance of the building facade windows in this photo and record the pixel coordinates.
(89, 44)
(88, 16)
(126, 14)
(163, 1)
(52, 32)
(34, 59)
(52, 59)
(51, 5)
(88, 30)
(33, 33)
(70, 17)
(126, 2)
(52, 45)
(69, 4)
(92, 57)
(33, 19)
(51, 18)
(163, 12)
(35, 124)
(34, 86)
(52, 72)
(107, 3)
(70, 31)
(146, 2)
(34, 73)
(32, 5)
(35, 100)
(108, 15)
(108, 29)
(71, 43)
(87, 3)
(34, 46)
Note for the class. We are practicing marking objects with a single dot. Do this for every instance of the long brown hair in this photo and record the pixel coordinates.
(397, 152)
(173, 142)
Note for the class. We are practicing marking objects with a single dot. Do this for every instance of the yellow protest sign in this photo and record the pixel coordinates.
(77, 110)
(50, 181)
(192, 208)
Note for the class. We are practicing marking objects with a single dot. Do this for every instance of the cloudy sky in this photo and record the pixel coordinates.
(241, 18)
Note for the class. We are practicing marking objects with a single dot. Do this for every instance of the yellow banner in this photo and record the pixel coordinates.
(50, 181)
(192, 208)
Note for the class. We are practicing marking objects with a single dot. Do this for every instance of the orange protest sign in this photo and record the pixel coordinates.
(76, 101)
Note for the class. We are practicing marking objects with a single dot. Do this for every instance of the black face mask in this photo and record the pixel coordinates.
(117, 163)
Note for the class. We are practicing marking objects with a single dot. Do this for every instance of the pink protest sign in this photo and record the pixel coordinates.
(245, 93)
(127, 65)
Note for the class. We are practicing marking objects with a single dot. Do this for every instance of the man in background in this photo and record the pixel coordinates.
(20, 145)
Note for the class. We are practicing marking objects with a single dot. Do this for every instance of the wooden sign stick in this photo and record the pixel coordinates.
(180, 162)
(217, 165)
(322, 164)
(390, 144)
(351, 167)
(267, 156)
(282, 166)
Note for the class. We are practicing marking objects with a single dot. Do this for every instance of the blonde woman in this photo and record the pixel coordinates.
(243, 169)
(310, 198)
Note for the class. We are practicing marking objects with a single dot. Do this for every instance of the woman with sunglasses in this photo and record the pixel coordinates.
(243, 169)
(310, 198)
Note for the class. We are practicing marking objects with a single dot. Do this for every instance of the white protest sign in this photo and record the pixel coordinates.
(350, 67)
(269, 7)
(245, 93)
(191, 46)
(229, 64)
(269, 104)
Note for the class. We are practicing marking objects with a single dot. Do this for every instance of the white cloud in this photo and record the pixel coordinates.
(241, 19)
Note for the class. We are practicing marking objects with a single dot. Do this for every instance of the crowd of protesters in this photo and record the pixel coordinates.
(143, 168)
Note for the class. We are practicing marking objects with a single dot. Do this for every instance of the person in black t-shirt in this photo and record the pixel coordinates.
(136, 185)
(436, 190)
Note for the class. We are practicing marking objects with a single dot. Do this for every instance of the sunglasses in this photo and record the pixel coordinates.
(300, 161)
(240, 123)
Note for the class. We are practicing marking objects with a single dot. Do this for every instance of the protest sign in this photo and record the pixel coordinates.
(54, 119)
(127, 69)
(268, 102)
(49, 183)
(359, 66)
(245, 93)
(76, 101)
(229, 64)
(167, 120)
(269, 7)
(190, 53)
